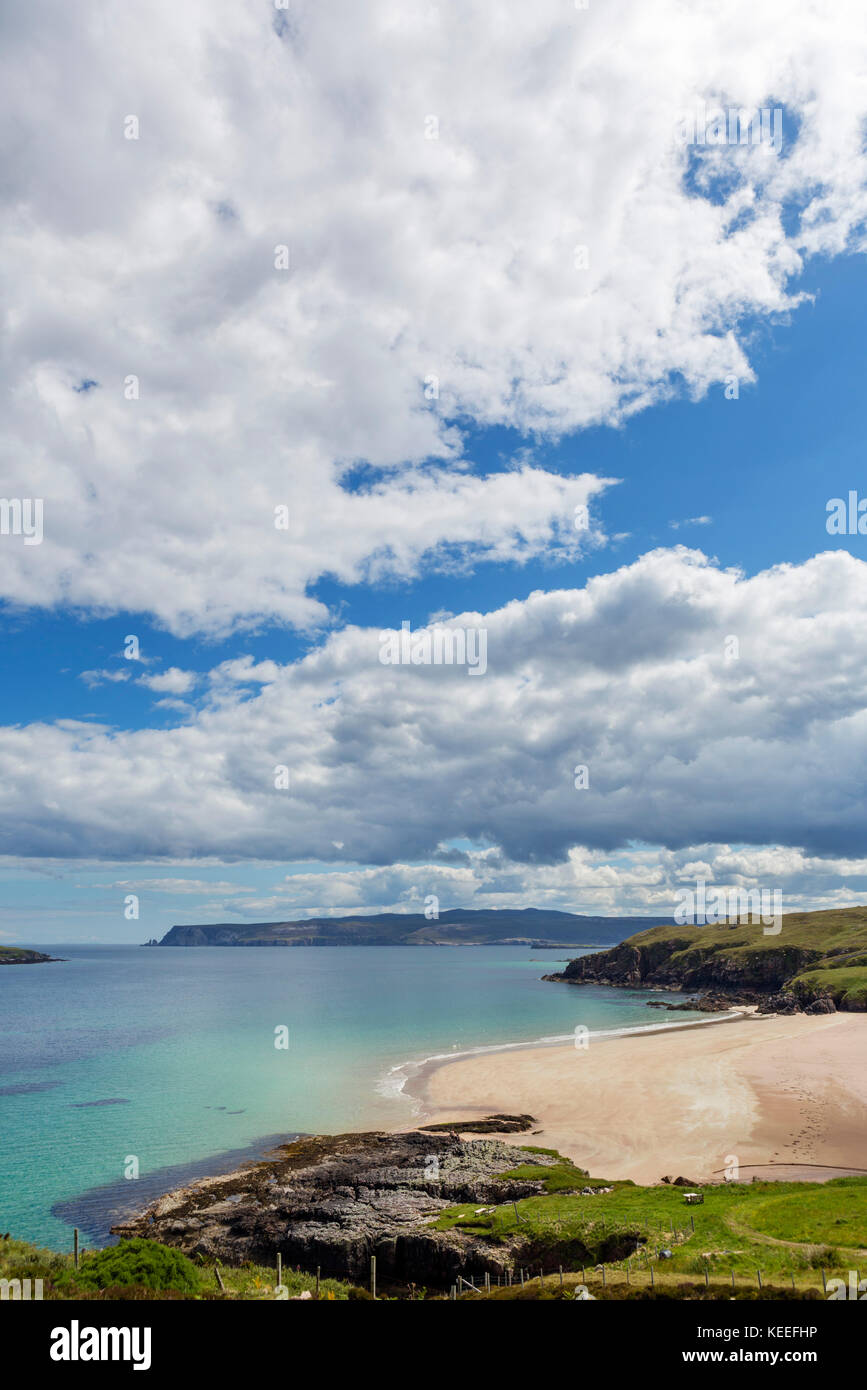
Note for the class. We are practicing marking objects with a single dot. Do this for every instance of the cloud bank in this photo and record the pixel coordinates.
(707, 708)
(248, 249)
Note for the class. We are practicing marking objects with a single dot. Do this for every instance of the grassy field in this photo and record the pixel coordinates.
(787, 1233)
(834, 933)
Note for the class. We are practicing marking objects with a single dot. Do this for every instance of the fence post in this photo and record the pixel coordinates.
(75, 1246)
(759, 1273)
(824, 1285)
(373, 1275)
(318, 1272)
(279, 1269)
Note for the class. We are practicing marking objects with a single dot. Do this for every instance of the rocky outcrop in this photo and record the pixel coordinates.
(20, 955)
(711, 1003)
(679, 963)
(491, 1124)
(334, 1201)
(727, 967)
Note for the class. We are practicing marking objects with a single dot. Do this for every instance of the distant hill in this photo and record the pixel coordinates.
(467, 927)
(817, 956)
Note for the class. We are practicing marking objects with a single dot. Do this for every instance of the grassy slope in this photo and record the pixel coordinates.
(827, 950)
(12, 955)
(789, 1231)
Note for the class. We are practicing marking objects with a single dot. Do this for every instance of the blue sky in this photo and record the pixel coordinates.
(176, 375)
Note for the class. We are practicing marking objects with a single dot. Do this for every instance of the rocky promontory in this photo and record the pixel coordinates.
(814, 962)
(333, 1201)
(20, 955)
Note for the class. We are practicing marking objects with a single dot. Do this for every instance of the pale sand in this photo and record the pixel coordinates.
(767, 1090)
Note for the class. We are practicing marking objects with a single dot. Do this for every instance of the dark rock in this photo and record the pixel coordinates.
(492, 1124)
(781, 1003)
(712, 1003)
(823, 1005)
(334, 1201)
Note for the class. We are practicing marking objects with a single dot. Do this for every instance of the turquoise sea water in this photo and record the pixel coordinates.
(168, 1056)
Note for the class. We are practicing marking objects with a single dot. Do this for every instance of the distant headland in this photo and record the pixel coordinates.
(20, 955)
(458, 927)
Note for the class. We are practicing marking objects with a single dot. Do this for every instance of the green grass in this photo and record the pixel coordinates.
(838, 932)
(847, 984)
(561, 1176)
(834, 1213)
(826, 1223)
(558, 1177)
(140, 1269)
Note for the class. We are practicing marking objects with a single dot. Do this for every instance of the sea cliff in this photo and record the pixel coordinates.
(817, 962)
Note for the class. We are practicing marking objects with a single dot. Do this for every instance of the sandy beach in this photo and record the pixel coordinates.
(785, 1096)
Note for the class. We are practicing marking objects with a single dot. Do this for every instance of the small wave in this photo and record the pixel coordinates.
(393, 1084)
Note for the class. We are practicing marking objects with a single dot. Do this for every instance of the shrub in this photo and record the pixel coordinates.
(144, 1263)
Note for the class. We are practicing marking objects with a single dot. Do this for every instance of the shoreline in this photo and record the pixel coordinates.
(416, 1075)
(779, 1094)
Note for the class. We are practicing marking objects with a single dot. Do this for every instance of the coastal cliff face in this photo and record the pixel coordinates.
(817, 962)
(334, 1201)
(678, 963)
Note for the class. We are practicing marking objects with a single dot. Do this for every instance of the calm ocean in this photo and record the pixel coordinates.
(167, 1057)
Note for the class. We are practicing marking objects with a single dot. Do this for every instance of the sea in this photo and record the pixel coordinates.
(128, 1070)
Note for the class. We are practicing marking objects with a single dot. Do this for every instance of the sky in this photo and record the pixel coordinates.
(325, 320)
